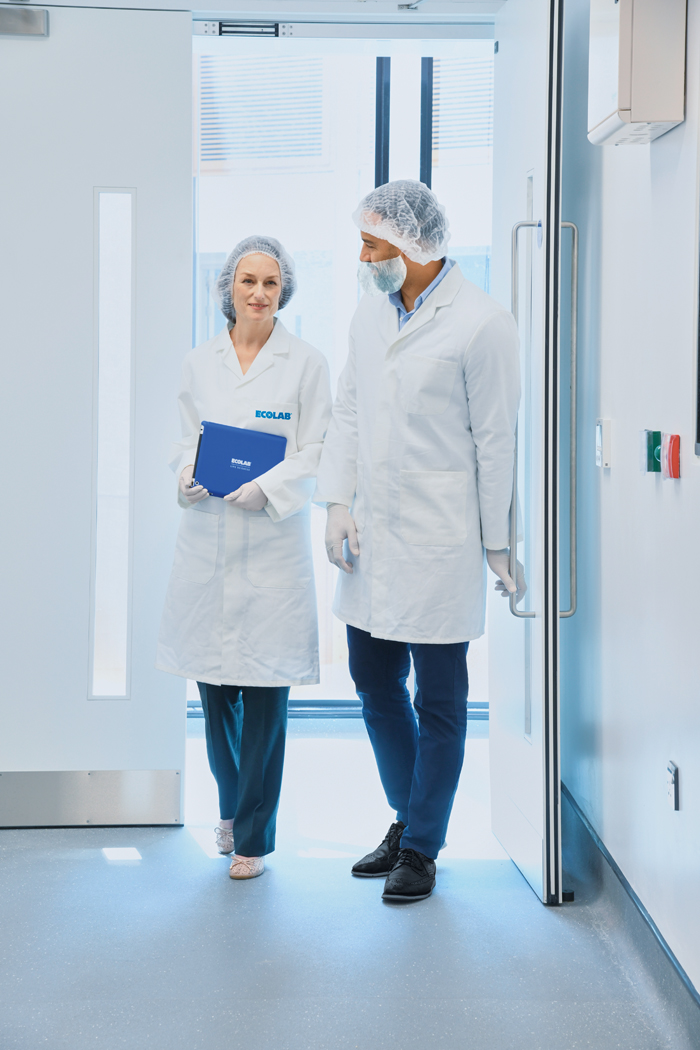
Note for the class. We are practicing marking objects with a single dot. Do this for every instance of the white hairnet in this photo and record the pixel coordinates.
(255, 246)
(407, 214)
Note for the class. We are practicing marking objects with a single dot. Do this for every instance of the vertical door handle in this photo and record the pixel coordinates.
(572, 423)
(514, 504)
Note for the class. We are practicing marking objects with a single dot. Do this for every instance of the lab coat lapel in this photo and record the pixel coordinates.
(443, 295)
(387, 320)
(224, 346)
(278, 343)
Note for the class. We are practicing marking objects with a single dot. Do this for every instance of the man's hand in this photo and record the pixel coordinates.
(499, 562)
(340, 527)
(192, 495)
(248, 497)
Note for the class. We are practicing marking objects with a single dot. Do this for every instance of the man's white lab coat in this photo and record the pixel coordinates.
(420, 447)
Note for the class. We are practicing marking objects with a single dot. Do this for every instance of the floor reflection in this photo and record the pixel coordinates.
(332, 802)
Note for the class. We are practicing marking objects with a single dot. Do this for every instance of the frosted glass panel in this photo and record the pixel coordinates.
(111, 573)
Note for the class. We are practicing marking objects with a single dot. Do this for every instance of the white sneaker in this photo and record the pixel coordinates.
(246, 867)
(224, 839)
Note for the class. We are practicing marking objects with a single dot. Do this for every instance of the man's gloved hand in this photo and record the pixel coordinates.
(192, 495)
(340, 527)
(499, 562)
(248, 497)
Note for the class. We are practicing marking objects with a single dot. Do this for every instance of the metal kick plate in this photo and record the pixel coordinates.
(77, 797)
(24, 21)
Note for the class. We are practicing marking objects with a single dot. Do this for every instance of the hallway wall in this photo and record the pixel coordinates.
(631, 659)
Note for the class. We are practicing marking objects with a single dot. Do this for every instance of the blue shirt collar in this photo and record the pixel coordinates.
(395, 297)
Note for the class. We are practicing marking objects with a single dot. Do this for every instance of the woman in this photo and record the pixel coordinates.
(240, 614)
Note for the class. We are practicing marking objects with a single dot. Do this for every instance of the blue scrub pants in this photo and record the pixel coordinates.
(419, 760)
(246, 729)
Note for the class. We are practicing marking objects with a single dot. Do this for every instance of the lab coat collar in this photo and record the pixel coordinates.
(443, 295)
(278, 343)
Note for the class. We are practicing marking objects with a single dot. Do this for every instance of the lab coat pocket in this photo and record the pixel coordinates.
(197, 547)
(279, 552)
(426, 384)
(433, 507)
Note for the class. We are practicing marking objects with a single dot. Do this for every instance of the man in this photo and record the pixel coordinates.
(420, 446)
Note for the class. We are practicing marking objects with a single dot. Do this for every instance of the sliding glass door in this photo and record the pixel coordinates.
(290, 134)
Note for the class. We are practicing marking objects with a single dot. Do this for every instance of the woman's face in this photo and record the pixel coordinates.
(257, 287)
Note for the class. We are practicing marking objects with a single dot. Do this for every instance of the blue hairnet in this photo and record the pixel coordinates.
(407, 214)
(256, 245)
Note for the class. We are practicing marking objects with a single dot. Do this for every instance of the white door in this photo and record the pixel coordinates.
(96, 292)
(524, 639)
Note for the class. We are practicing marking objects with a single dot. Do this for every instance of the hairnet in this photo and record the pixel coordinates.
(407, 214)
(255, 246)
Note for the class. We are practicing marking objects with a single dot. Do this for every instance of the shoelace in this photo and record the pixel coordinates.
(393, 835)
(411, 857)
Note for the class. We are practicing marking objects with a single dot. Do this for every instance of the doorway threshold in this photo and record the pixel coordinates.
(477, 711)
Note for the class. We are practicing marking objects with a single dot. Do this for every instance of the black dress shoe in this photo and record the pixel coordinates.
(378, 864)
(411, 879)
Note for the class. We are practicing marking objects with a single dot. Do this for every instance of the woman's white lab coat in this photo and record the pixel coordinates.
(241, 603)
(420, 446)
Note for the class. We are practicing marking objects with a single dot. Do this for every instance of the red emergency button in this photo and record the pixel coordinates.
(671, 456)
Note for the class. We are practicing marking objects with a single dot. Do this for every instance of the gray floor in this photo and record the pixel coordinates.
(168, 952)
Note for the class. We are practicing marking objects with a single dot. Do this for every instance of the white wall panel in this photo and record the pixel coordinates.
(631, 659)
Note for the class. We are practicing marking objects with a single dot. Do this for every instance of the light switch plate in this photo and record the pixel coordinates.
(602, 443)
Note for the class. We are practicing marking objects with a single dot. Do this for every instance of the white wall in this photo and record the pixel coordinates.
(631, 658)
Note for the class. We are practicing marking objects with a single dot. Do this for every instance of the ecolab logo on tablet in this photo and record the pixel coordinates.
(243, 464)
(259, 414)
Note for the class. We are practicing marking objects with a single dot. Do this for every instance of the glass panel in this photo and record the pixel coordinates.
(404, 117)
(111, 574)
(462, 153)
(300, 178)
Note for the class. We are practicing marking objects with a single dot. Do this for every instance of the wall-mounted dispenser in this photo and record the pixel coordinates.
(636, 75)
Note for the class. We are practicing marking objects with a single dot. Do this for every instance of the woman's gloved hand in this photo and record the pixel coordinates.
(248, 497)
(192, 495)
(499, 562)
(340, 527)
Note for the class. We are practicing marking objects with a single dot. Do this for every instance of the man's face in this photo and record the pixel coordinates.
(374, 249)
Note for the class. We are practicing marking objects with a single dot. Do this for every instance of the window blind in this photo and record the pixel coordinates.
(462, 103)
(253, 109)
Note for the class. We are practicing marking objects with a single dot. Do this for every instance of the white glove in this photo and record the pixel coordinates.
(192, 495)
(248, 497)
(499, 562)
(340, 527)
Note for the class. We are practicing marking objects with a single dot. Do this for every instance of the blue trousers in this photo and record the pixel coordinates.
(419, 758)
(246, 729)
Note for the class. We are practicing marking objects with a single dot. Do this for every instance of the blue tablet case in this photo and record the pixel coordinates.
(227, 457)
